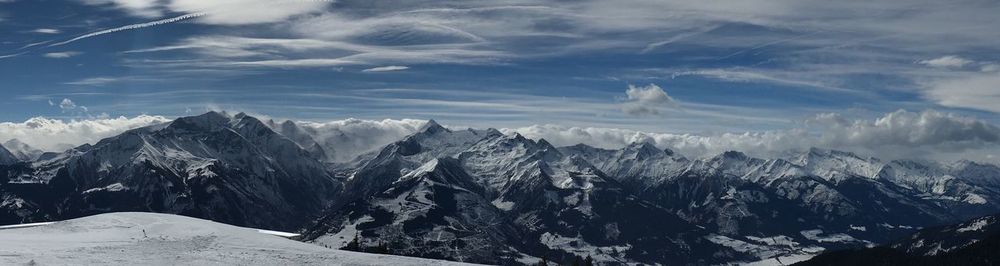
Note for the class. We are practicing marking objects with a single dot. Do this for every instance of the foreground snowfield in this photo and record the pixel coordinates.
(118, 239)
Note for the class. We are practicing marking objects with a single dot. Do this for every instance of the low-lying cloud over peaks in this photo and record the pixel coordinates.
(56, 135)
(344, 140)
(901, 134)
(898, 135)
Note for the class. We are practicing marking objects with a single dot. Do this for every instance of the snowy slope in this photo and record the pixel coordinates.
(162, 239)
(443, 190)
(936, 240)
(231, 169)
(6, 157)
(21, 150)
(478, 194)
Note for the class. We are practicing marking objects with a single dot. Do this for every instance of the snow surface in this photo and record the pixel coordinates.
(578, 247)
(770, 250)
(817, 235)
(975, 226)
(164, 239)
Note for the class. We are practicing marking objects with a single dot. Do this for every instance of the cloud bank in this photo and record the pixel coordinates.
(901, 134)
(57, 135)
(346, 139)
(898, 135)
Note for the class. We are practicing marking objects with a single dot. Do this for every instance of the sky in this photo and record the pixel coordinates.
(886, 78)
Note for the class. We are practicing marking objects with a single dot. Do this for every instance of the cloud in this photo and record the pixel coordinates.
(948, 61)
(386, 69)
(897, 135)
(976, 91)
(220, 12)
(346, 139)
(238, 12)
(47, 31)
(129, 27)
(67, 104)
(900, 134)
(647, 100)
(241, 52)
(95, 81)
(56, 135)
(142, 8)
(60, 55)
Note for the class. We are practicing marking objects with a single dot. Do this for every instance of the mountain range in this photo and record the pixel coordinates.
(478, 195)
(972, 242)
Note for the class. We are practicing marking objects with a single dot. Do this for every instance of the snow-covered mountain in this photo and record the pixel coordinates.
(495, 198)
(972, 242)
(232, 169)
(22, 151)
(483, 196)
(6, 157)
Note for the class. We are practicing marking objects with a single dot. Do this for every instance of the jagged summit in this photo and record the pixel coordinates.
(209, 121)
(479, 194)
(235, 170)
(432, 127)
(644, 149)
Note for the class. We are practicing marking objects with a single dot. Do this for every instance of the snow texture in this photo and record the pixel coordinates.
(163, 239)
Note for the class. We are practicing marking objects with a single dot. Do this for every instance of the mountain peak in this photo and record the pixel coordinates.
(643, 150)
(22, 151)
(544, 143)
(211, 120)
(432, 127)
(6, 157)
(733, 155)
(814, 151)
(493, 132)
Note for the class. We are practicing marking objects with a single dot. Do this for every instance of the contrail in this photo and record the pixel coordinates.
(12, 55)
(130, 27)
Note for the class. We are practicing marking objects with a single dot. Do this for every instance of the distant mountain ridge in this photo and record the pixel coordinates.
(972, 242)
(21, 150)
(483, 196)
(232, 169)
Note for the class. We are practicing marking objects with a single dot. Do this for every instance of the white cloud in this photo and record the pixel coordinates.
(947, 61)
(95, 81)
(55, 135)
(897, 135)
(60, 55)
(142, 8)
(976, 91)
(47, 31)
(386, 69)
(787, 78)
(647, 100)
(67, 104)
(236, 12)
(346, 139)
(220, 12)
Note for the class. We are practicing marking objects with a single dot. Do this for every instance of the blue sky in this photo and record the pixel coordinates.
(651, 65)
